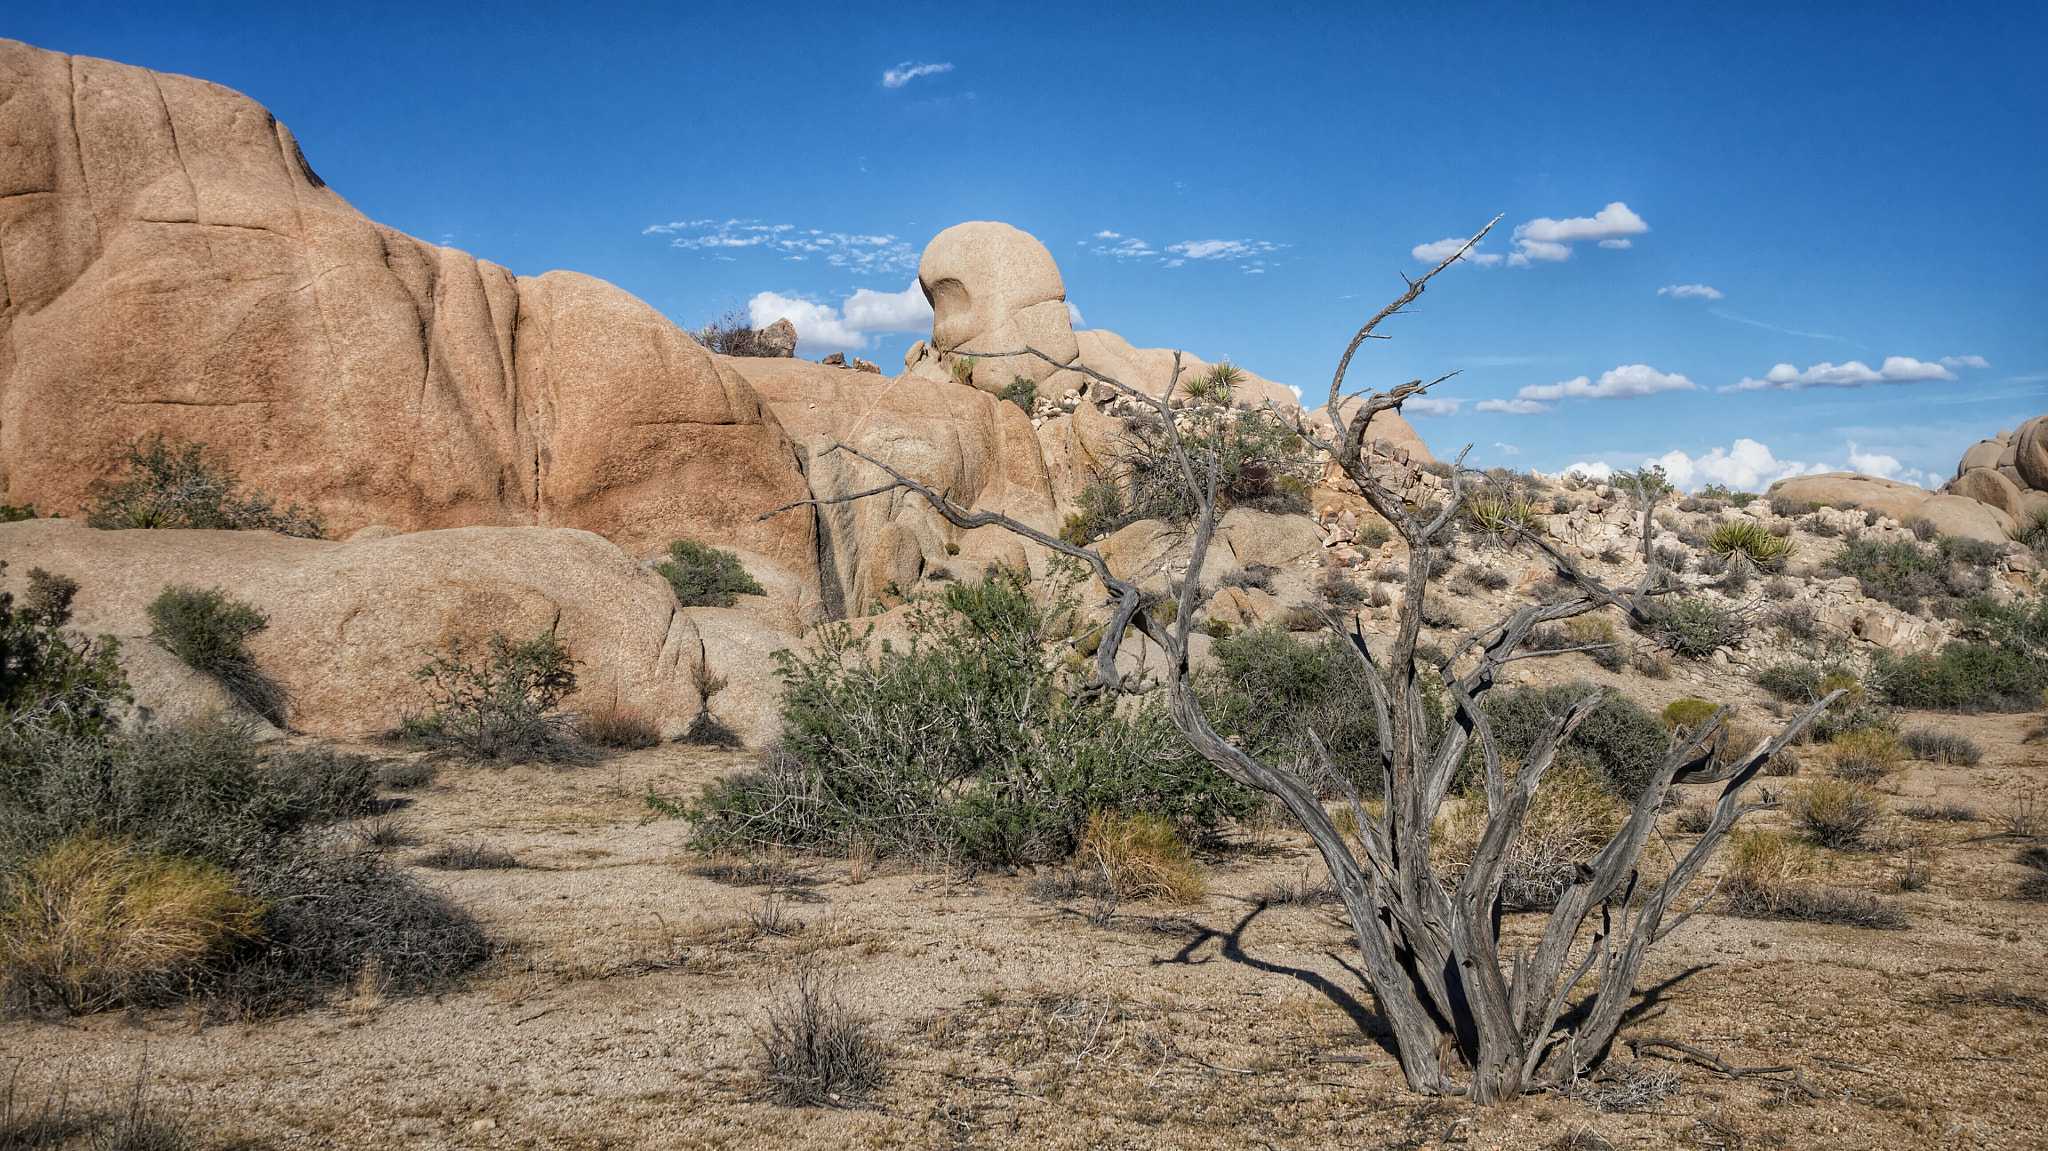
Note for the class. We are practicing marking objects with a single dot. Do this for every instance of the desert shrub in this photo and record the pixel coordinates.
(617, 726)
(1694, 626)
(173, 485)
(1262, 464)
(1492, 579)
(206, 630)
(1588, 630)
(960, 745)
(1940, 746)
(1751, 539)
(1962, 677)
(2032, 530)
(1866, 756)
(1786, 508)
(1497, 516)
(1256, 575)
(1688, 713)
(1836, 812)
(1139, 857)
(705, 576)
(499, 704)
(1438, 613)
(817, 1052)
(50, 680)
(1572, 816)
(1780, 588)
(1672, 558)
(89, 923)
(1342, 593)
(728, 335)
(1021, 391)
(1798, 620)
(1796, 682)
(475, 855)
(1908, 575)
(1693, 816)
(1620, 740)
(337, 920)
(1271, 689)
(1372, 533)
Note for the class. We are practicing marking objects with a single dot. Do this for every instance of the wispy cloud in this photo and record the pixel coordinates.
(910, 70)
(1725, 314)
(1690, 292)
(1507, 449)
(1511, 407)
(1433, 406)
(852, 251)
(1965, 362)
(1245, 253)
(1623, 383)
(1854, 374)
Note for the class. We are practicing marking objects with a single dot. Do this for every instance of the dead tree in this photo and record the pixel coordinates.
(1467, 1019)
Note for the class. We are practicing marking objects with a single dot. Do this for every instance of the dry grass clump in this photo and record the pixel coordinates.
(1940, 746)
(1763, 881)
(1139, 857)
(90, 923)
(1694, 816)
(741, 871)
(1866, 756)
(406, 774)
(1837, 812)
(1303, 888)
(1941, 813)
(815, 1051)
(1572, 816)
(617, 726)
(475, 855)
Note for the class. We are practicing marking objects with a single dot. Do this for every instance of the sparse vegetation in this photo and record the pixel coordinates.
(498, 704)
(816, 1052)
(1866, 756)
(617, 726)
(1138, 857)
(474, 855)
(1748, 538)
(1764, 881)
(1572, 816)
(1023, 392)
(1693, 626)
(705, 576)
(180, 485)
(51, 681)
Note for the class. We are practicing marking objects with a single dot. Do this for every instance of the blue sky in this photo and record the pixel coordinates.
(1831, 184)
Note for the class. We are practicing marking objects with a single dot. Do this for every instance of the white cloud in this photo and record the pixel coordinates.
(1592, 471)
(1109, 235)
(1222, 249)
(1965, 362)
(818, 326)
(1442, 250)
(906, 311)
(1546, 239)
(1430, 406)
(1689, 292)
(1887, 467)
(1507, 449)
(1512, 407)
(852, 251)
(1073, 316)
(1125, 247)
(907, 71)
(1746, 466)
(1626, 382)
(1854, 374)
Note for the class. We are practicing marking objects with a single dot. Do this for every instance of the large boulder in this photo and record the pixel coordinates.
(350, 622)
(2030, 453)
(1987, 487)
(994, 288)
(1898, 500)
(1982, 454)
(1150, 369)
(174, 265)
(1962, 516)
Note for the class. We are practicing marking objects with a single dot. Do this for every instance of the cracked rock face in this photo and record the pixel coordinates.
(172, 263)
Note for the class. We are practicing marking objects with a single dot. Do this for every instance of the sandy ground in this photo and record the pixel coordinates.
(623, 1009)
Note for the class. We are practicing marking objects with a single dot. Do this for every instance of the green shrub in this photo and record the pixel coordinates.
(1694, 626)
(1272, 688)
(1796, 682)
(1752, 539)
(705, 576)
(49, 680)
(499, 704)
(1372, 533)
(1941, 746)
(961, 745)
(177, 485)
(1621, 740)
(1688, 713)
(1962, 677)
(1021, 391)
(206, 630)
(1838, 813)
(1905, 574)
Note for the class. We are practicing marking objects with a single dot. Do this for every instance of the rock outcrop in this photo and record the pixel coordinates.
(350, 622)
(2008, 472)
(1898, 500)
(994, 288)
(173, 264)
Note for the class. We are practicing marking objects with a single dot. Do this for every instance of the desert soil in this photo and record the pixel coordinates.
(623, 1009)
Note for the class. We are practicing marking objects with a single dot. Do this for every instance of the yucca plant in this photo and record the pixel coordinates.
(1753, 540)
